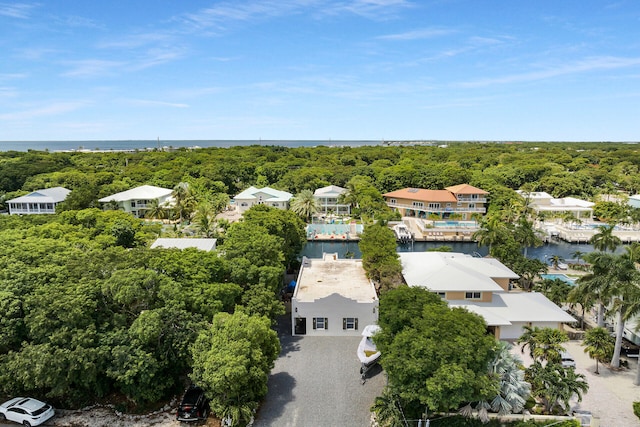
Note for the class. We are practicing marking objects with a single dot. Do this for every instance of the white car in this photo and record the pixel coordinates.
(26, 411)
(567, 360)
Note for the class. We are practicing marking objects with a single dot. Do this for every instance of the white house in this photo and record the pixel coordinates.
(540, 201)
(262, 196)
(634, 201)
(481, 285)
(327, 198)
(136, 200)
(204, 244)
(38, 202)
(333, 297)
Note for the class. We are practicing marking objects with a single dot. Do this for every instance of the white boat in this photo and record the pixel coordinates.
(368, 354)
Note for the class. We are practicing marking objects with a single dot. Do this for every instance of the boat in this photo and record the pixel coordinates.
(402, 233)
(368, 353)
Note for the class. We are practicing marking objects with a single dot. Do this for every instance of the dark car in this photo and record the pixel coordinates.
(194, 405)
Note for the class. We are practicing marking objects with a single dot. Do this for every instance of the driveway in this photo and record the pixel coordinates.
(316, 383)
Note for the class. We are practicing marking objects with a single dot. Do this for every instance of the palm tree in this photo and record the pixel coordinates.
(577, 255)
(492, 231)
(388, 410)
(305, 204)
(204, 218)
(604, 239)
(555, 385)
(183, 200)
(633, 251)
(598, 344)
(526, 235)
(514, 390)
(155, 210)
(543, 343)
(556, 260)
(596, 282)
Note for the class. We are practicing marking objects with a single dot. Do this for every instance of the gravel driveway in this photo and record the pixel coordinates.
(316, 383)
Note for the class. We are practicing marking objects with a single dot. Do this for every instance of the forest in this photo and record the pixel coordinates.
(88, 311)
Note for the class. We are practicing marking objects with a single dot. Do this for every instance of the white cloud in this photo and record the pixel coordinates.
(91, 67)
(426, 33)
(151, 103)
(48, 110)
(16, 10)
(586, 65)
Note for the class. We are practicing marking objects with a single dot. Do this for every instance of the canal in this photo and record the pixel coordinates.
(565, 250)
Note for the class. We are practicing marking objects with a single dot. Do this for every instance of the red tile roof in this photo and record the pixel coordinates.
(466, 189)
(423, 195)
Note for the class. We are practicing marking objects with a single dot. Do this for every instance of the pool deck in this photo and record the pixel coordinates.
(423, 230)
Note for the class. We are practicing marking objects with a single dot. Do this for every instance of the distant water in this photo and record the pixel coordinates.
(154, 144)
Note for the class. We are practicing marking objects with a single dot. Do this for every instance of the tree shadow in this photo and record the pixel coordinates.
(280, 388)
(288, 342)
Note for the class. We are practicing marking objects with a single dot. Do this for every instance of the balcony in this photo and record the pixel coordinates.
(477, 209)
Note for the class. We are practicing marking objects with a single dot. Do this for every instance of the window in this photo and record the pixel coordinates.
(350, 323)
(320, 323)
(133, 204)
(434, 205)
(472, 295)
(393, 201)
(418, 204)
(442, 294)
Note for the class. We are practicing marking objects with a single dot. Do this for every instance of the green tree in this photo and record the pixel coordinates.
(599, 345)
(492, 232)
(423, 357)
(544, 344)
(379, 257)
(525, 235)
(305, 205)
(555, 386)
(604, 239)
(155, 210)
(232, 360)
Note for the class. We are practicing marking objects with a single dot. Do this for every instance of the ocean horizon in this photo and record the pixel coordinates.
(134, 145)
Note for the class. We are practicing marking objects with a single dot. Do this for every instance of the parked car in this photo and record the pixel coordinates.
(567, 360)
(26, 411)
(194, 405)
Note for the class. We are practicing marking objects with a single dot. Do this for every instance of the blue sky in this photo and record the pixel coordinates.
(304, 69)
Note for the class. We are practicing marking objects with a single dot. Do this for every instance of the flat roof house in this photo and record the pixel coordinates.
(333, 297)
(463, 200)
(38, 202)
(481, 285)
(541, 201)
(204, 244)
(262, 196)
(136, 200)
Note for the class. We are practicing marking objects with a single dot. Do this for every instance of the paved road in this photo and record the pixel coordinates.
(316, 383)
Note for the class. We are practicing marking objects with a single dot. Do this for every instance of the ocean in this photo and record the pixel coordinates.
(133, 145)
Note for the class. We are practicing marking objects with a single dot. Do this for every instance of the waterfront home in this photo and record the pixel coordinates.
(204, 244)
(462, 200)
(482, 286)
(38, 202)
(327, 198)
(541, 202)
(332, 297)
(137, 200)
(262, 196)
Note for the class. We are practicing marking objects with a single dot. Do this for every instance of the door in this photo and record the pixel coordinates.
(301, 326)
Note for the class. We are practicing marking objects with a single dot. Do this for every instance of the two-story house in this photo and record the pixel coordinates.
(463, 200)
(328, 198)
(262, 196)
(481, 285)
(137, 200)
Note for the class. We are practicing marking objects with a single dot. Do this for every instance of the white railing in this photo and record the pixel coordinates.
(441, 209)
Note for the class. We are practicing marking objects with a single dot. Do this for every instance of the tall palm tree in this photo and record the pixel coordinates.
(596, 282)
(604, 239)
(204, 218)
(525, 234)
(305, 204)
(491, 232)
(183, 200)
(598, 344)
(633, 251)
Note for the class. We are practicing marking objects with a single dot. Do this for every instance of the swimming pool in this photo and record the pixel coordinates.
(562, 277)
(450, 224)
(333, 229)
